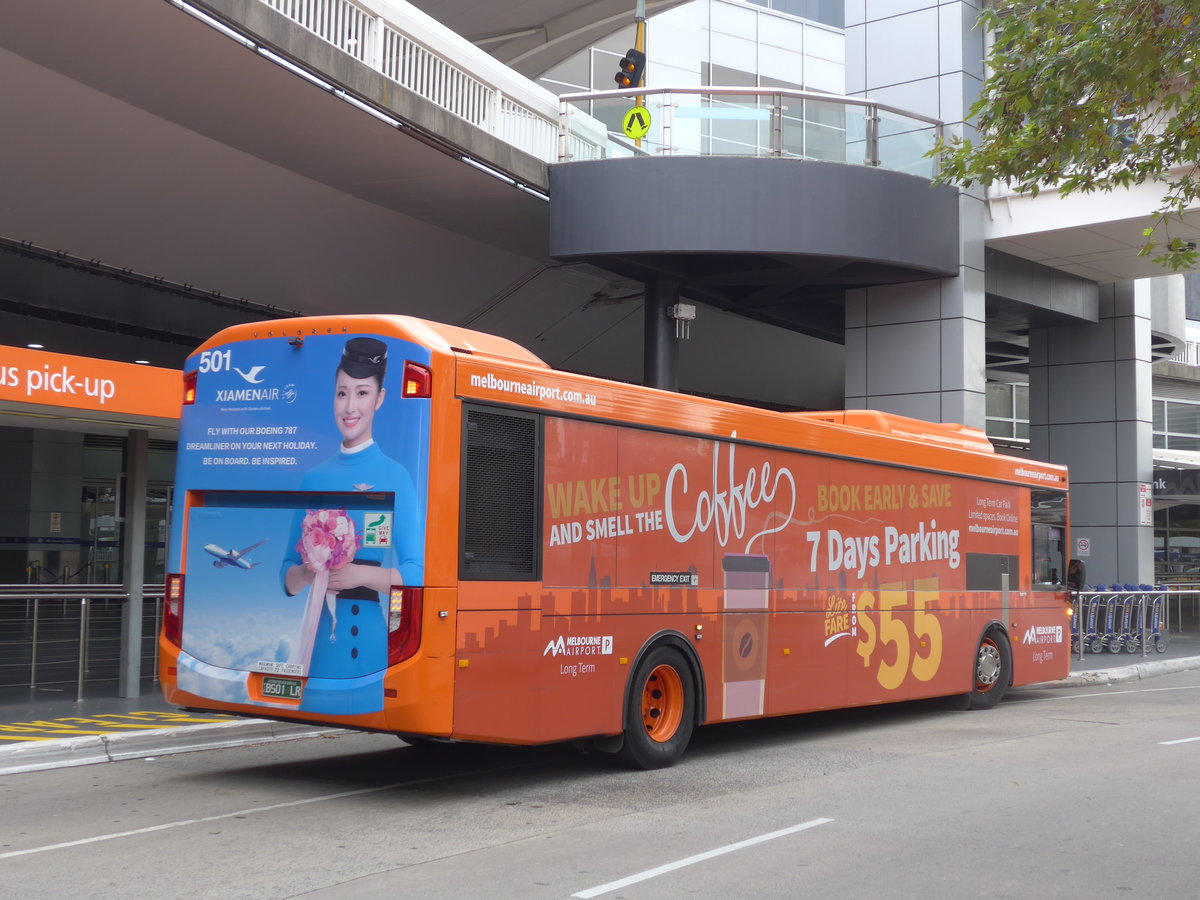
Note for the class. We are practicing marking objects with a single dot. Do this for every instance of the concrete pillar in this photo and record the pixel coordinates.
(133, 549)
(1090, 390)
(919, 349)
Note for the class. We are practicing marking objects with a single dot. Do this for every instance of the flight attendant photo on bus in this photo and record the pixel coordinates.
(345, 580)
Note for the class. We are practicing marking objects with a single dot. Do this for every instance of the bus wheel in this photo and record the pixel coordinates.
(660, 711)
(993, 671)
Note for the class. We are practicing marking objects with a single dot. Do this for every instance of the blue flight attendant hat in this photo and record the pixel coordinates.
(363, 357)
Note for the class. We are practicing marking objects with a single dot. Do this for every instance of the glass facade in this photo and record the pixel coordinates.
(1177, 527)
(65, 525)
(1007, 410)
(1177, 543)
(757, 47)
(1176, 424)
(829, 12)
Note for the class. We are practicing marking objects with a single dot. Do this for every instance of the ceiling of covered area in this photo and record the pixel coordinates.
(531, 36)
(163, 181)
(167, 149)
(1098, 236)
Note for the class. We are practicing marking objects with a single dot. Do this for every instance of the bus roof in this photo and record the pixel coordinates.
(950, 434)
(497, 370)
(434, 335)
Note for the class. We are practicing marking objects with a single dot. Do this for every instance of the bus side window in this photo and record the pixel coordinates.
(501, 496)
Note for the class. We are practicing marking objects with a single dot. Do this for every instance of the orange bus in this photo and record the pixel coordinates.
(396, 525)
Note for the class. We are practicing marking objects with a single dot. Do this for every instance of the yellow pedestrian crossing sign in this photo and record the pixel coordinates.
(636, 123)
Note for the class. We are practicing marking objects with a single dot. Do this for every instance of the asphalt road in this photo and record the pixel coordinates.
(1058, 792)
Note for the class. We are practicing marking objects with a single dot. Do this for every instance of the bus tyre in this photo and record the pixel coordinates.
(660, 711)
(993, 671)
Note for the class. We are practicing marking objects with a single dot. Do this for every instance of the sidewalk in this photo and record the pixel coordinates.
(1182, 653)
(48, 728)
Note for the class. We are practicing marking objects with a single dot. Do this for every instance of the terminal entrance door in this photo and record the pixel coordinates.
(101, 535)
(101, 538)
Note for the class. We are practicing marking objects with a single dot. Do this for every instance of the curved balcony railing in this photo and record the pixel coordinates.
(738, 121)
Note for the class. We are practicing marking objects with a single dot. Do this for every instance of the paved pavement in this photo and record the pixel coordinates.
(49, 728)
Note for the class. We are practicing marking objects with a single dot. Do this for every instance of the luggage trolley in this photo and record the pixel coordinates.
(1156, 621)
(1130, 618)
(1084, 625)
(1110, 638)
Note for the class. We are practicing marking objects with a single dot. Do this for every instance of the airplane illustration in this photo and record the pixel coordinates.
(232, 557)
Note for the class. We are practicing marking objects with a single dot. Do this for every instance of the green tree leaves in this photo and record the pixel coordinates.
(1089, 95)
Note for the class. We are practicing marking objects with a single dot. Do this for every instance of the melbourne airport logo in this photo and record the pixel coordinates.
(587, 645)
(1043, 634)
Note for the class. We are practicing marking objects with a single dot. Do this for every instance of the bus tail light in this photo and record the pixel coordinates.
(404, 623)
(173, 610)
(418, 381)
(189, 388)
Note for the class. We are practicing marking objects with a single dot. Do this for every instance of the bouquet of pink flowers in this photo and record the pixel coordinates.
(327, 542)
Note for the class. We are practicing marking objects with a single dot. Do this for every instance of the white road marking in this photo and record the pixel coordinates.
(1093, 694)
(1180, 741)
(166, 826)
(699, 857)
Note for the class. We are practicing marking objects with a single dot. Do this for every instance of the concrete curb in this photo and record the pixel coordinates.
(1120, 674)
(35, 756)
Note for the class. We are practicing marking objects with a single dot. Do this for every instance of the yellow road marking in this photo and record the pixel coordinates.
(108, 723)
(24, 737)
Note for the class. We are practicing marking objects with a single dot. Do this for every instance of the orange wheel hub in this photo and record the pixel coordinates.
(662, 703)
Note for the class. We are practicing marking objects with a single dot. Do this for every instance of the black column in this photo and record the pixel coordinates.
(660, 347)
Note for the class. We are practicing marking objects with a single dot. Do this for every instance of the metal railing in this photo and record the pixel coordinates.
(1189, 355)
(428, 59)
(1181, 589)
(52, 635)
(740, 121)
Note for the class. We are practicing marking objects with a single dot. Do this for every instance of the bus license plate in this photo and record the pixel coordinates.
(282, 688)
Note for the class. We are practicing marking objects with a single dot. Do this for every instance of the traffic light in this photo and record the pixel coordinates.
(630, 69)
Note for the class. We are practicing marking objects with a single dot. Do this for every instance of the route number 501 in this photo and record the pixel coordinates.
(924, 660)
(216, 360)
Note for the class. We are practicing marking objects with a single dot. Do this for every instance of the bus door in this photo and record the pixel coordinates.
(1048, 517)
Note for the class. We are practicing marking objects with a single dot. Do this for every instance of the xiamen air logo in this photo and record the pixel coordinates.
(253, 376)
(592, 645)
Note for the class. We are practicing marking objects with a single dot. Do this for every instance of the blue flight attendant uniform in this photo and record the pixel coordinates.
(346, 673)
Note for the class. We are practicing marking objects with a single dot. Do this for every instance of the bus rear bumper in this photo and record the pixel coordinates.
(323, 696)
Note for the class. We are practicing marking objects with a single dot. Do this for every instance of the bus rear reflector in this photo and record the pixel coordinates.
(404, 623)
(418, 381)
(189, 388)
(173, 610)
